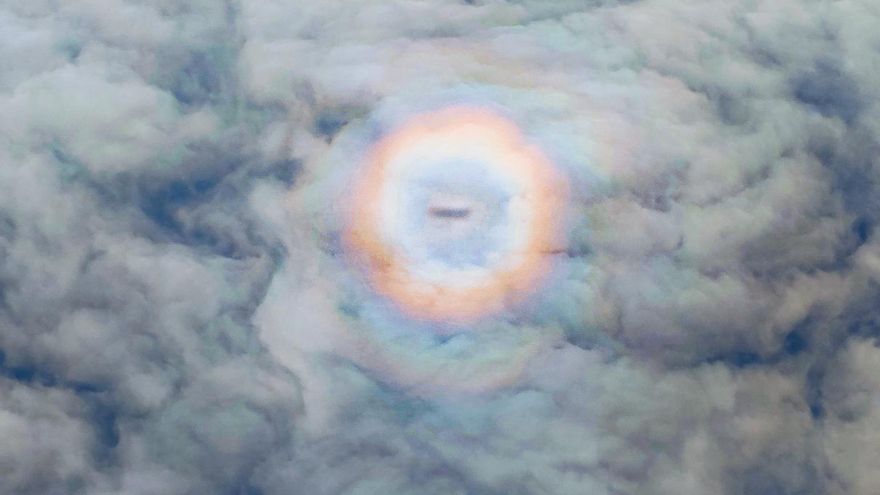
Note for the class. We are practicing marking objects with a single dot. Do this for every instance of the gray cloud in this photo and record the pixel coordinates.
(178, 313)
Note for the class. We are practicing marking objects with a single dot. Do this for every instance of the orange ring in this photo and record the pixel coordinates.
(541, 187)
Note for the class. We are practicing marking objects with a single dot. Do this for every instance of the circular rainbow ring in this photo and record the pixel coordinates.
(455, 214)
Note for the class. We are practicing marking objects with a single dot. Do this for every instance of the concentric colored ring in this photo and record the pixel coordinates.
(464, 145)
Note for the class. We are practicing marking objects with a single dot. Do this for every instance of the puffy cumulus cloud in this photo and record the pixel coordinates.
(46, 431)
(182, 309)
(850, 436)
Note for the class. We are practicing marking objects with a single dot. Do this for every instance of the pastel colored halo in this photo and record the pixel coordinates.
(455, 215)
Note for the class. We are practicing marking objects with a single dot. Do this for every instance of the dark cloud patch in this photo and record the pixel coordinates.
(329, 123)
(814, 395)
(796, 341)
(204, 77)
(830, 91)
(863, 229)
(161, 205)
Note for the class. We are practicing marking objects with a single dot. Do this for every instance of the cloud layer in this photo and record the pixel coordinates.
(178, 313)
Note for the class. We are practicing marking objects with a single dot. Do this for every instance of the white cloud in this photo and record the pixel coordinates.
(178, 315)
